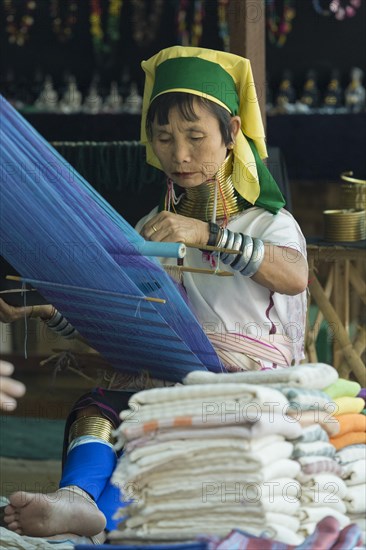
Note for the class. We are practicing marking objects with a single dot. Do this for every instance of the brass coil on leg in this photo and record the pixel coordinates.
(96, 426)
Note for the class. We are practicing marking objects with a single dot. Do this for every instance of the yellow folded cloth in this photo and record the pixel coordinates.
(347, 405)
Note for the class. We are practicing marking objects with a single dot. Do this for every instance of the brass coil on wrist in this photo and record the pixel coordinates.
(95, 426)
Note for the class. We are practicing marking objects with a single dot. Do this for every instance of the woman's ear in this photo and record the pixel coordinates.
(235, 125)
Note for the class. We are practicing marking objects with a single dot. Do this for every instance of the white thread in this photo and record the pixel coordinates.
(25, 321)
(214, 209)
(138, 312)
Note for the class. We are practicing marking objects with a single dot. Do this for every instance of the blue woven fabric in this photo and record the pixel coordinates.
(83, 257)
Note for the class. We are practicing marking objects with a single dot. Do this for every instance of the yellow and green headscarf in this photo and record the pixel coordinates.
(226, 79)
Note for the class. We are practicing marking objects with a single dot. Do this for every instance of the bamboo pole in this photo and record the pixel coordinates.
(357, 282)
(359, 345)
(340, 334)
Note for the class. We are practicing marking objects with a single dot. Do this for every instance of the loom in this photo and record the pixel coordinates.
(90, 263)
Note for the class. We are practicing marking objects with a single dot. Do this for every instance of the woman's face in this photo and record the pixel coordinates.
(190, 152)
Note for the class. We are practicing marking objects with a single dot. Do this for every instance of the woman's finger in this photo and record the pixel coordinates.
(10, 387)
(6, 368)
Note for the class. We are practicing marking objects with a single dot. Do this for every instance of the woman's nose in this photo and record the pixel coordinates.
(181, 152)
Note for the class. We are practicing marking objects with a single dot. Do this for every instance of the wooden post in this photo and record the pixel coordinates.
(247, 26)
(340, 334)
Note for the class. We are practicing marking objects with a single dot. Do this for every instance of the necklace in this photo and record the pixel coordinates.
(63, 28)
(344, 11)
(222, 18)
(112, 29)
(145, 27)
(320, 10)
(201, 202)
(192, 37)
(18, 33)
(280, 26)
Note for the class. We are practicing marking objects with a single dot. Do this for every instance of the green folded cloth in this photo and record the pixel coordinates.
(343, 388)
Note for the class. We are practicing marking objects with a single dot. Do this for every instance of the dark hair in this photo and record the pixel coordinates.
(161, 106)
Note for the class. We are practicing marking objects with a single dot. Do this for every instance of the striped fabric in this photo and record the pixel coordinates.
(247, 345)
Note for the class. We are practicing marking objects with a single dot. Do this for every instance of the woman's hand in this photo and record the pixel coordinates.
(170, 227)
(9, 314)
(9, 389)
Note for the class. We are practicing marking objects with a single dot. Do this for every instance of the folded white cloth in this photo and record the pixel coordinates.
(280, 468)
(216, 521)
(355, 499)
(309, 375)
(224, 488)
(351, 453)
(315, 448)
(327, 483)
(313, 514)
(163, 531)
(192, 445)
(355, 472)
(254, 425)
(320, 498)
(233, 390)
(313, 433)
(198, 456)
(291, 522)
(12, 541)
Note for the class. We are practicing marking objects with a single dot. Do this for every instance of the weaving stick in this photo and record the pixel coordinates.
(213, 248)
(76, 288)
(188, 269)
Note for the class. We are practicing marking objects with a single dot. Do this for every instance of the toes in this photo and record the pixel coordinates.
(9, 518)
(14, 526)
(20, 499)
(9, 509)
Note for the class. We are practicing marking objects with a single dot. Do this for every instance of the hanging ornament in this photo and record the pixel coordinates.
(18, 33)
(344, 10)
(113, 20)
(197, 27)
(63, 28)
(192, 37)
(222, 18)
(145, 27)
(183, 35)
(320, 9)
(279, 26)
(103, 41)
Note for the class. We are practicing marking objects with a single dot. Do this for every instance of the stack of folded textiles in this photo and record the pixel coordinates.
(246, 451)
(353, 462)
(206, 458)
(350, 444)
(322, 490)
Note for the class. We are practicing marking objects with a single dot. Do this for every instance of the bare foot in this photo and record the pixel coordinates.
(42, 515)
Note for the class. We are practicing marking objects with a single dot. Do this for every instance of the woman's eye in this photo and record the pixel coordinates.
(196, 138)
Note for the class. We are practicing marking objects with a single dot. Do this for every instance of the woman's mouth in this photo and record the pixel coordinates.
(184, 174)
